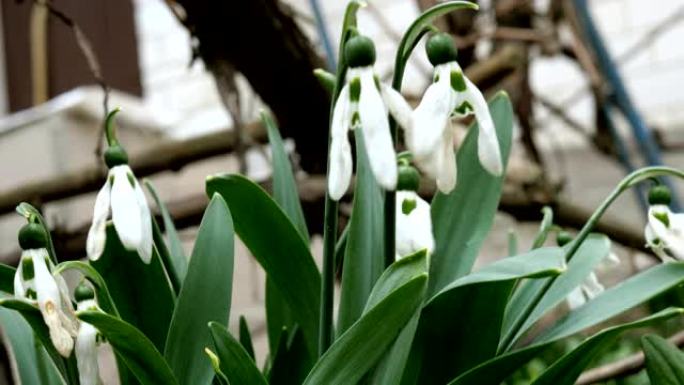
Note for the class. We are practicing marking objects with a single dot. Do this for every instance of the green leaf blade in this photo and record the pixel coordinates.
(204, 297)
(276, 245)
(235, 363)
(664, 361)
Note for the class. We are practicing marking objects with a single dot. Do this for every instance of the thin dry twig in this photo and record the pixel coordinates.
(86, 48)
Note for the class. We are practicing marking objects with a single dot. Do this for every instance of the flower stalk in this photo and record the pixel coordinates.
(628, 182)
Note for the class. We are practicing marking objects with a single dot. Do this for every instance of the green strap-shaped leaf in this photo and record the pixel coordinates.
(104, 299)
(135, 349)
(627, 295)
(276, 245)
(246, 337)
(285, 191)
(593, 250)
(234, 361)
(462, 219)
(7, 278)
(286, 195)
(178, 261)
(356, 351)
(31, 314)
(397, 274)
(142, 292)
(664, 361)
(205, 296)
(30, 359)
(291, 362)
(391, 368)
(364, 254)
(460, 324)
(568, 368)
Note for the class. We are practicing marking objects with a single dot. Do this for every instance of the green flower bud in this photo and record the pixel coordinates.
(359, 51)
(659, 195)
(409, 178)
(32, 236)
(115, 156)
(563, 238)
(441, 49)
(83, 292)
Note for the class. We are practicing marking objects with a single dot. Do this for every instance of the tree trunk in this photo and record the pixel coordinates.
(263, 42)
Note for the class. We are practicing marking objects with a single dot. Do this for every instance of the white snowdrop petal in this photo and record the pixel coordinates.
(446, 162)
(49, 302)
(342, 114)
(576, 298)
(376, 132)
(340, 172)
(86, 355)
(145, 247)
(432, 114)
(398, 107)
(413, 230)
(487, 142)
(95, 242)
(125, 209)
(591, 286)
(19, 290)
(655, 244)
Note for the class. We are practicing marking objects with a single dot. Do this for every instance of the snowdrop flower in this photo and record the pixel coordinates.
(33, 281)
(430, 136)
(86, 340)
(360, 105)
(664, 230)
(413, 219)
(591, 287)
(124, 198)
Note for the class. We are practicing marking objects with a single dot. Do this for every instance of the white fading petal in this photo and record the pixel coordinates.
(125, 209)
(339, 175)
(398, 107)
(95, 242)
(432, 114)
(376, 132)
(576, 298)
(487, 142)
(49, 302)
(145, 247)
(86, 355)
(446, 162)
(413, 231)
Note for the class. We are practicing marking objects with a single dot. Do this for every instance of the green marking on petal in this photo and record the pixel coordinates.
(663, 217)
(131, 179)
(408, 205)
(464, 108)
(457, 81)
(355, 89)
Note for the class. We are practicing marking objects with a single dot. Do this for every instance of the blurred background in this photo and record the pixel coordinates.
(597, 87)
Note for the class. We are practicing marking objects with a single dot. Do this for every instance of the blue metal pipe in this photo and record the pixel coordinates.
(620, 96)
(323, 34)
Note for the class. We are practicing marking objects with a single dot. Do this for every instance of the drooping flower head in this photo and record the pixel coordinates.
(430, 136)
(124, 198)
(360, 105)
(86, 340)
(664, 230)
(34, 281)
(413, 220)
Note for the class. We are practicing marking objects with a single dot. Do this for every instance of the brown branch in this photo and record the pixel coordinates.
(86, 48)
(622, 368)
(170, 155)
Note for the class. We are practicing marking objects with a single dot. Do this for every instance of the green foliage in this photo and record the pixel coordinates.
(426, 318)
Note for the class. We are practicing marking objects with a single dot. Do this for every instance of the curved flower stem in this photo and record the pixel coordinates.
(110, 130)
(629, 181)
